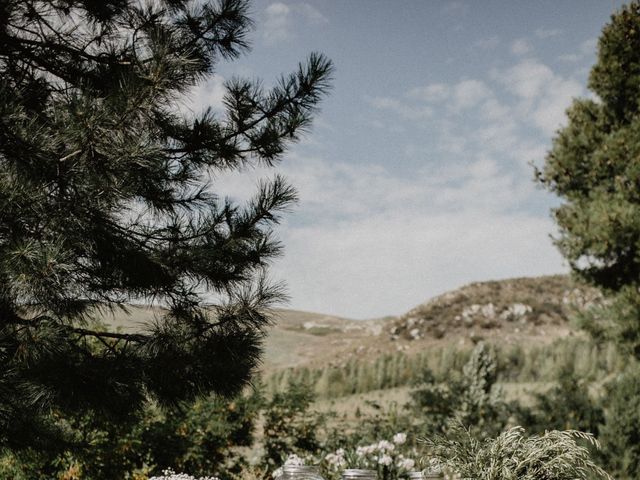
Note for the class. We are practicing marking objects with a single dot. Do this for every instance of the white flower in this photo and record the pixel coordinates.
(406, 464)
(386, 446)
(366, 450)
(385, 459)
(294, 459)
(277, 472)
(336, 459)
(399, 438)
(169, 474)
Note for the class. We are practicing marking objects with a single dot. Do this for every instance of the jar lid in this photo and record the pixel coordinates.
(300, 469)
(416, 475)
(358, 473)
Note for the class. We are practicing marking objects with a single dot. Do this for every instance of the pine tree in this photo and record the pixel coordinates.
(594, 166)
(104, 200)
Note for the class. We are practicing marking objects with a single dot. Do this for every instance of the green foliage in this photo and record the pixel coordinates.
(474, 399)
(290, 426)
(201, 438)
(621, 431)
(594, 165)
(107, 197)
(515, 363)
(616, 321)
(554, 455)
(568, 405)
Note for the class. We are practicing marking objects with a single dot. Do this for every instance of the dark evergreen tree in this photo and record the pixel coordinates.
(104, 200)
(594, 166)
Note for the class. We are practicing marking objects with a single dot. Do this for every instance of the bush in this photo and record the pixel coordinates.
(290, 427)
(566, 406)
(474, 399)
(555, 455)
(200, 437)
(621, 430)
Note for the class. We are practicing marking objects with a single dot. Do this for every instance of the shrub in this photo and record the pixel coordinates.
(566, 406)
(621, 430)
(555, 455)
(290, 427)
(474, 399)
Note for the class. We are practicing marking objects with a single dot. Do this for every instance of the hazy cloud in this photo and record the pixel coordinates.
(394, 239)
(434, 92)
(204, 95)
(521, 47)
(468, 93)
(460, 96)
(281, 19)
(544, 94)
(488, 43)
(408, 112)
(455, 7)
(544, 33)
(587, 48)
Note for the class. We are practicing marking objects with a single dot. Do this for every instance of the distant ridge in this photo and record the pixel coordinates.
(520, 310)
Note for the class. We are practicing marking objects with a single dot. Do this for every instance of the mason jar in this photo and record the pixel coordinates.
(358, 474)
(420, 475)
(300, 472)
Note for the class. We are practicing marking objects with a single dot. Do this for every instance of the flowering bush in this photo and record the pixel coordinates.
(169, 474)
(292, 459)
(389, 458)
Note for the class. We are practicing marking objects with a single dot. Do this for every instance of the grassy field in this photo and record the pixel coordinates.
(528, 320)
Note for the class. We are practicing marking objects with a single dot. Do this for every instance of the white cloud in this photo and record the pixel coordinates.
(488, 43)
(383, 264)
(586, 49)
(527, 79)
(310, 13)
(550, 112)
(460, 96)
(367, 242)
(521, 47)
(544, 33)
(544, 94)
(409, 112)
(435, 92)
(509, 117)
(468, 93)
(455, 7)
(205, 94)
(277, 23)
(281, 19)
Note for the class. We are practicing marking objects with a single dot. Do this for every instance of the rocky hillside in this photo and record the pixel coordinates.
(524, 310)
(520, 307)
(527, 311)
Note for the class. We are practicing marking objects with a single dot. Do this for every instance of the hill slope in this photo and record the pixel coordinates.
(529, 311)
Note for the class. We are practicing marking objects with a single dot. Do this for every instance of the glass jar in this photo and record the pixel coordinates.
(358, 474)
(300, 472)
(420, 475)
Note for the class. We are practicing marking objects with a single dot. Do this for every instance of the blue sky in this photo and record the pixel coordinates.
(417, 176)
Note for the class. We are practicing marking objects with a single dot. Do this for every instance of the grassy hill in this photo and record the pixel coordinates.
(530, 311)
(526, 319)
